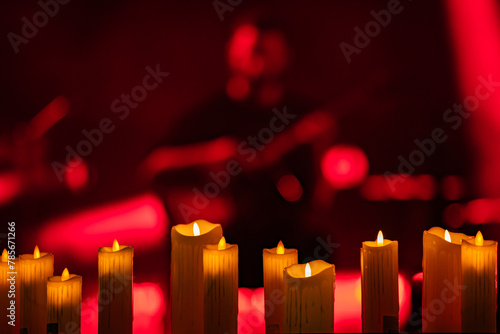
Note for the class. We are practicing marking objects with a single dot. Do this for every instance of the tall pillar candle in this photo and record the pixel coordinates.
(220, 277)
(379, 286)
(34, 269)
(64, 296)
(479, 273)
(186, 275)
(309, 291)
(115, 271)
(275, 261)
(9, 293)
(441, 285)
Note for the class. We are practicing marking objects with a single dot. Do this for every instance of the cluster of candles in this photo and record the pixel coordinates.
(38, 302)
(459, 286)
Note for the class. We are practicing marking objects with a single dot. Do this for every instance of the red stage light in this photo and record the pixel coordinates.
(241, 51)
(344, 166)
(482, 211)
(475, 30)
(213, 151)
(453, 187)
(424, 187)
(453, 215)
(48, 116)
(11, 185)
(77, 177)
(140, 221)
(237, 88)
(289, 188)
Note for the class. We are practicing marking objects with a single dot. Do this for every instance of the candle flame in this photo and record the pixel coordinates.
(479, 239)
(447, 236)
(36, 253)
(222, 244)
(308, 270)
(5, 255)
(196, 230)
(65, 275)
(280, 249)
(116, 246)
(380, 239)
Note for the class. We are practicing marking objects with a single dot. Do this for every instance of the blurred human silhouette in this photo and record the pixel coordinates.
(245, 159)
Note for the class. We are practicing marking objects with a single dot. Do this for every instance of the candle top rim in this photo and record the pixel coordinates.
(317, 267)
(109, 249)
(57, 279)
(32, 257)
(374, 244)
(186, 230)
(273, 251)
(486, 243)
(456, 237)
(216, 247)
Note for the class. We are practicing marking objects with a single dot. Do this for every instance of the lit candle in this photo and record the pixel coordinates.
(379, 285)
(275, 261)
(441, 285)
(34, 269)
(9, 301)
(64, 295)
(115, 289)
(220, 276)
(309, 297)
(479, 299)
(186, 275)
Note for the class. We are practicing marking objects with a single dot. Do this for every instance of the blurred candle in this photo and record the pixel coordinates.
(186, 275)
(220, 276)
(115, 271)
(479, 299)
(309, 291)
(64, 295)
(9, 292)
(379, 285)
(275, 261)
(441, 286)
(34, 269)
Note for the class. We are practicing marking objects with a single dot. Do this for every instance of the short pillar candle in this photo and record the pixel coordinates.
(309, 297)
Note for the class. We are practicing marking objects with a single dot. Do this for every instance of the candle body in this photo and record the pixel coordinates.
(441, 286)
(309, 301)
(9, 291)
(379, 287)
(186, 276)
(274, 265)
(33, 291)
(479, 299)
(220, 277)
(64, 303)
(115, 271)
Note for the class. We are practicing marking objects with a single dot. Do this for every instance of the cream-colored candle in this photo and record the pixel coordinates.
(275, 261)
(309, 297)
(220, 277)
(186, 275)
(379, 285)
(479, 273)
(115, 289)
(64, 296)
(9, 293)
(34, 269)
(441, 286)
